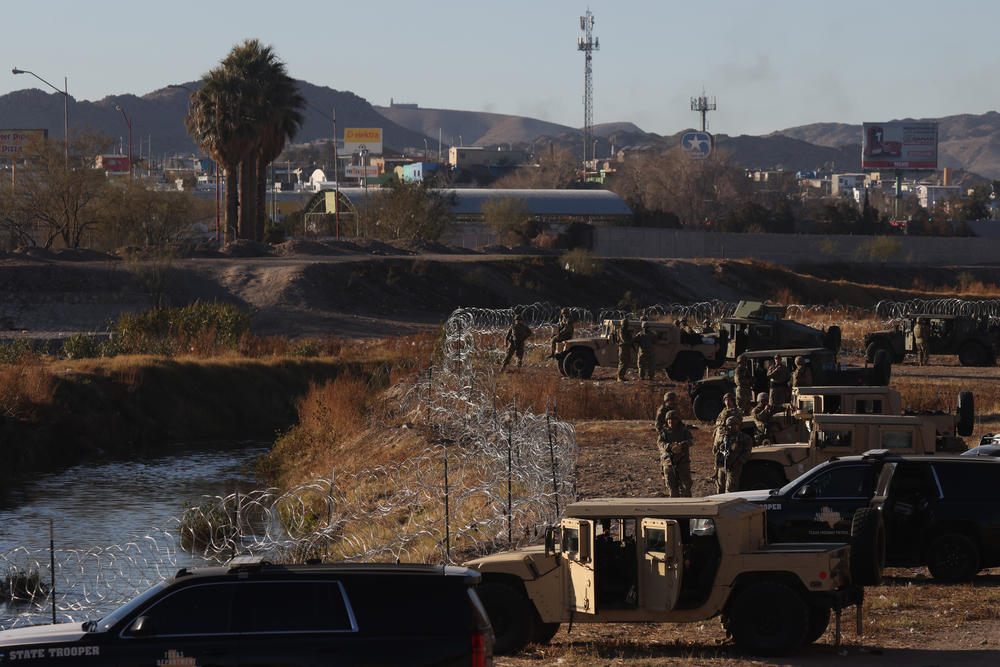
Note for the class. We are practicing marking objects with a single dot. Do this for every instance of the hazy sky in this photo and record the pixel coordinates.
(771, 64)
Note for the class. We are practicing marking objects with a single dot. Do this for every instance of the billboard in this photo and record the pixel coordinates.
(697, 144)
(357, 139)
(113, 164)
(899, 145)
(14, 142)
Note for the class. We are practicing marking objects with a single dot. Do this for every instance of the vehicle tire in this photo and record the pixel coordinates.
(707, 405)
(953, 557)
(579, 363)
(510, 614)
(768, 618)
(871, 352)
(882, 369)
(544, 632)
(867, 547)
(761, 477)
(966, 414)
(831, 339)
(973, 354)
(561, 364)
(687, 367)
(819, 619)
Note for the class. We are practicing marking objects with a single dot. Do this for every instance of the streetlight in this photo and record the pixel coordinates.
(65, 94)
(128, 121)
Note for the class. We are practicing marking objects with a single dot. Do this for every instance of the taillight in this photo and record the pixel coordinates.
(482, 649)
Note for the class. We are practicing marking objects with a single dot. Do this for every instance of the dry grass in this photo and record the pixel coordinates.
(24, 388)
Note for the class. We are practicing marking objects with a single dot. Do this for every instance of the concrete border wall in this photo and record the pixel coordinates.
(786, 248)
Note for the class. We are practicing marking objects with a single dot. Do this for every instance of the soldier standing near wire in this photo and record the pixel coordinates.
(646, 342)
(564, 330)
(730, 454)
(729, 410)
(623, 338)
(674, 442)
(515, 338)
(921, 336)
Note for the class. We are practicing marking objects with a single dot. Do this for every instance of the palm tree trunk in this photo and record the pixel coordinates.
(232, 203)
(248, 197)
(261, 198)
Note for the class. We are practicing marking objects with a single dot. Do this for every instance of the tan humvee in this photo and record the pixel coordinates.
(684, 356)
(771, 466)
(670, 560)
(792, 425)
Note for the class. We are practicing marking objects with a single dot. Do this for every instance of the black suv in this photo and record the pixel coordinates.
(706, 395)
(255, 613)
(939, 511)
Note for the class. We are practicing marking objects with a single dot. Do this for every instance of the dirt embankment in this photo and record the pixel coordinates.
(362, 291)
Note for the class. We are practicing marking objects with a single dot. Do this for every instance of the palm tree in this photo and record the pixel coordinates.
(281, 118)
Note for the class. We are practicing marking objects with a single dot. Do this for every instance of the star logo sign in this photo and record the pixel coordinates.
(828, 516)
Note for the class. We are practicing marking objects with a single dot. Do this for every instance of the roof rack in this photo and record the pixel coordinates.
(247, 563)
(875, 454)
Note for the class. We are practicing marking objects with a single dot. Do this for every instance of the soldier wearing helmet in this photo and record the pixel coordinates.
(729, 410)
(564, 330)
(517, 334)
(624, 339)
(779, 377)
(763, 415)
(646, 342)
(730, 454)
(674, 442)
(743, 377)
(921, 341)
(802, 375)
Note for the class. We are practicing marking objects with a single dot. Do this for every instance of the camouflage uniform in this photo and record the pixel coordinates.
(516, 335)
(564, 330)
(730, 455)
(744, 385)
(921, 341)
(802, 376)
(779, 376)
(675, 454)
(646, 341)
(624, 339)
(762, 415)
(720, 422)
(669, 403)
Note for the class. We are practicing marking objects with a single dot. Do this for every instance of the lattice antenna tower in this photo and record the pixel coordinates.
(702, 105)
(588, 44)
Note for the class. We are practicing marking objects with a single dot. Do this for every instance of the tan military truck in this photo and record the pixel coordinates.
(668, 560)
(771, 466)
(683, 355)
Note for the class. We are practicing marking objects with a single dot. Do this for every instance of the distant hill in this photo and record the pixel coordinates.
(967, 141)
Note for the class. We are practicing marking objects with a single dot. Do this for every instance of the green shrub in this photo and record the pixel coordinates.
(583, 262)
(81, 346)
(16, 351)
(305, 348)
(878, 249)
(196, 327)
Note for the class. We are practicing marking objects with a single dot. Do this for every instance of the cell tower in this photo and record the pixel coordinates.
(588, 44)
(702, 106)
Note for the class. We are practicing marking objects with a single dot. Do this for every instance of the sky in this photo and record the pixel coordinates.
(770, 64)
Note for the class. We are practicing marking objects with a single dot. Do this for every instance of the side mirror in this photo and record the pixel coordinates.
(806, 491)
(141, 626)
(551, 543)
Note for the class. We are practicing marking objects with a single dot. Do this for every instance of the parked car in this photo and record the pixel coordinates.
(256, 613)
(939, 511)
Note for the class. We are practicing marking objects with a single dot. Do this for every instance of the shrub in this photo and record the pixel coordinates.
(583, 262)
(878, 249)
(16, 351)
(81, 346)
(197, 327)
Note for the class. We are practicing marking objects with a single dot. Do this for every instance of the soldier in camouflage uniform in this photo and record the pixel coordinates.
(564, 330)
(921, 341)
(762, 415)
(646, 342)
(623, 338)
(515, 338)
(674, 442)
(729, 410)
(802, 375)
(730, 454)
(744, 384)
(778, 376)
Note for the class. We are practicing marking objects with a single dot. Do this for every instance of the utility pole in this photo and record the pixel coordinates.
(588, 44)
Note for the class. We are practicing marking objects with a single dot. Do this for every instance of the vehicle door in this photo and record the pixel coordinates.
(578, 554)
(821, 508)
(190, 625)
(913, 491)
(661, 566)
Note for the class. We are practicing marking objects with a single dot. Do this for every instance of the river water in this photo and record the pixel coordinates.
(98, 507)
